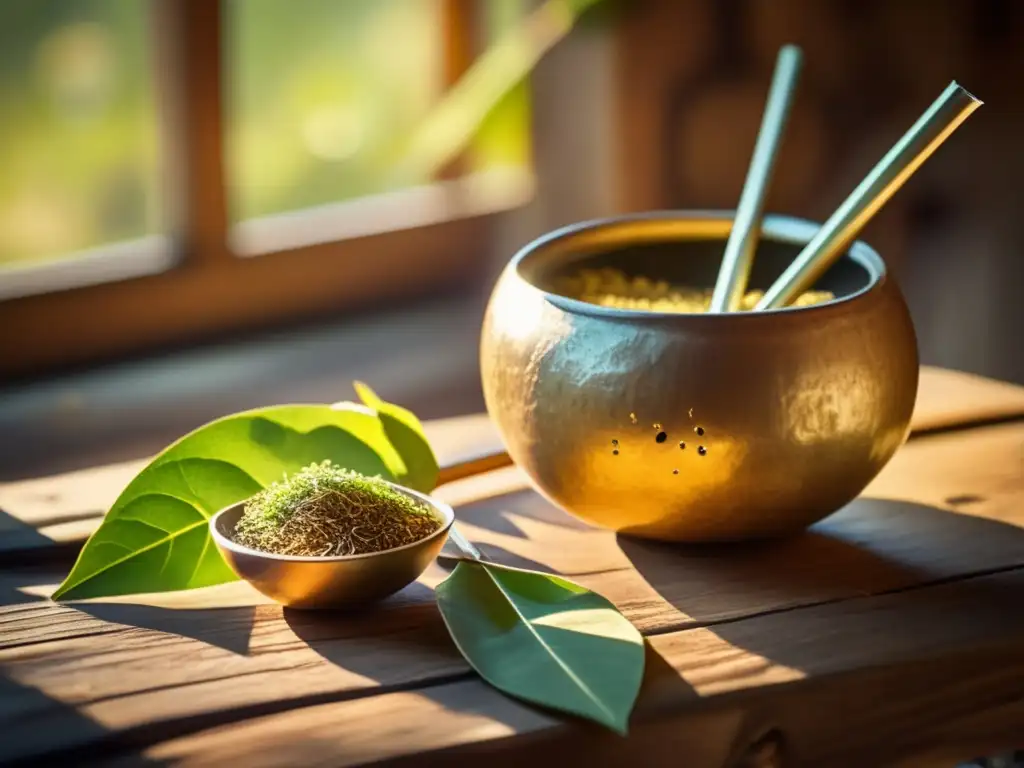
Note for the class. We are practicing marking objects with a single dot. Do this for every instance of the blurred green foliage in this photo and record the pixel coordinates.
(319, 107)
(321, 104)
(78, 138)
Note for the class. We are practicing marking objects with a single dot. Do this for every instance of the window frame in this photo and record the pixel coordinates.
(195, 282)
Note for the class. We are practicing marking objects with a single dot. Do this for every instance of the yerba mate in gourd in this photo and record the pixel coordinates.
(608, 287)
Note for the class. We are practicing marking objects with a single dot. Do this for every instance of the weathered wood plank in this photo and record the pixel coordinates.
(157, 665)
(898, 674)
(948, 399)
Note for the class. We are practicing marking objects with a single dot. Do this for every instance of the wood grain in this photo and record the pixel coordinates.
(947, 399)
(145, 669)
(894, 672)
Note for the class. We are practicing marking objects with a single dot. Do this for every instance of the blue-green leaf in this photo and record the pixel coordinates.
(545, 640)
(155, 537)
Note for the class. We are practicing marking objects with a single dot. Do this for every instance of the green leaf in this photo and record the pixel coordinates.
(155, 537)
(405, 432)
(545, 640)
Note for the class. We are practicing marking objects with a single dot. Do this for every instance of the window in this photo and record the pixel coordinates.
(79, 137)
(181, 167)
(322, 106)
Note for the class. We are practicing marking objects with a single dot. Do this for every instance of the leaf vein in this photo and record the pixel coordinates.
(140, 521)
(167, 558)
(562, 665)
(112, 543)
(191, 489)
(117, 511)
(199, 560)
(131, 554)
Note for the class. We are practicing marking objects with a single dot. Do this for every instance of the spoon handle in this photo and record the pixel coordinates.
(482, 458)
(482, 453)
(486, 454)
(467, 550)
(739, 250)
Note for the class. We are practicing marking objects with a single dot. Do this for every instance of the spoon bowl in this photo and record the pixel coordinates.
(331, 582)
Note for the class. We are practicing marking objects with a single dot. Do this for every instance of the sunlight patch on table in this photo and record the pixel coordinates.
(600, 622)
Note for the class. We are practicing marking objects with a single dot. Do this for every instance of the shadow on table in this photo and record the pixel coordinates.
(408, 648)
(17, 583)
(383, 642)
(29, 718)
(23, 544)
(872, 546)
(229, 628)
(548, 737)
(401, 644)
(871, 549)
(495, 513)
(40, 730)
(391, 621)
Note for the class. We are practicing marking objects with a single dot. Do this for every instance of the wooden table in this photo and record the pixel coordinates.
(890, 634)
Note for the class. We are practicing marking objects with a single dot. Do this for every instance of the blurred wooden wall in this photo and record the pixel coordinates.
(691, 80)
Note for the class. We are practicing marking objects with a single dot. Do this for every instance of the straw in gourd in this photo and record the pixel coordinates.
(739, 250)
(943, 117)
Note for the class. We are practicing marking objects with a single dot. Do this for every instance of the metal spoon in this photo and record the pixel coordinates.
(465, 549)
(739, 250)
